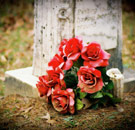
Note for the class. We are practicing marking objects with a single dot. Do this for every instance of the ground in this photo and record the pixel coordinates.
(19, 113)
(16, 50)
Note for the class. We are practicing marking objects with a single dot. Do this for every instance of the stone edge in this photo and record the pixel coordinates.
(15, 85)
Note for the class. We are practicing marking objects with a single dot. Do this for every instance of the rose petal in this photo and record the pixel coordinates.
(71, 101)
(105, 55)
(83, 54)
(86, 63)
(57, 87)
(99, 85)
(68, 64)
(61, 76)
(97, 63)
(74, 57)
(105, 63)
(49, 92)
(56, 105)
(72, 109)
(62, 83)
(55, 61)
(63, 101)
(64, 111)
(71, 92)
(95, 45)
(96, 88)
(97, 73)
(41, 89)
(84, 49)
(92, 83)
(61, 65)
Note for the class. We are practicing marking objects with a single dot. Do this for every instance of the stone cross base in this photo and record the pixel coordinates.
(22, 82)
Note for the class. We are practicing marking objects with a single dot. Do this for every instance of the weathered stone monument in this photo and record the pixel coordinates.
(93, 20)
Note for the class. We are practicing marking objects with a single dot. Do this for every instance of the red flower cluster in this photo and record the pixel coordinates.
(69, 51)
(89, 78)
(54, 80)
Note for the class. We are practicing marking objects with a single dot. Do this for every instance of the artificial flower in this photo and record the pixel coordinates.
(73, 48)
(63, 100)
(61, 62)
(90, 80)
(94, 56)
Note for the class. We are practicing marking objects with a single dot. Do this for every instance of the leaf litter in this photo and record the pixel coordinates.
(35, 112)
(48, 118)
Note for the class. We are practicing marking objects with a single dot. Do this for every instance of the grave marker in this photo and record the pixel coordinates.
(98, 20)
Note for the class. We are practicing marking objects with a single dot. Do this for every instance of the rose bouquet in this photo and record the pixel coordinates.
(76, 77)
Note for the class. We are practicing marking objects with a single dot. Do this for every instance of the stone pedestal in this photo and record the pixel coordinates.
(21, 81)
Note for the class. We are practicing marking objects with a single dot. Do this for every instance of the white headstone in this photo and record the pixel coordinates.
(93, 20)
(97, 21)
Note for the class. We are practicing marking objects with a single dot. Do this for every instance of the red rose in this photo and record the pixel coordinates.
(54, 79)
(90, 80)
(73, 48)
(94, 56)
(61, 62)
(56, 75)
(61, 47)
(63, 100)
(43, 87)
(69, 51)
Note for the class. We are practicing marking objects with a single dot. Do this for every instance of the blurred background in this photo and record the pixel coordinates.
(16, 35)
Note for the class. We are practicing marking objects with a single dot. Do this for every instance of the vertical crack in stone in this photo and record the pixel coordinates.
(74, 8)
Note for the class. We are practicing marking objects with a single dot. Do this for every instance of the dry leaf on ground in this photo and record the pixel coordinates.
(86, 102)
(47, 116)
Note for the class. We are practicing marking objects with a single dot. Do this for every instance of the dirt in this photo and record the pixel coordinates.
(23, 113)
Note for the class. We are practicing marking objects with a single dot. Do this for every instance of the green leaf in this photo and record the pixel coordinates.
(82, 95)
(95, 106)
(116, 100)
(111, 117)
(97, 95)
(68, 118)
(108, 94)
(103, 101)
(71, 80)
(109, 86)
(103, 72)
(79, 104)
(78, 63)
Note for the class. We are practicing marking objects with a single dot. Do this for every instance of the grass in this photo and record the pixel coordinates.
(128, 53)
(2, 88)
(16, 37)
